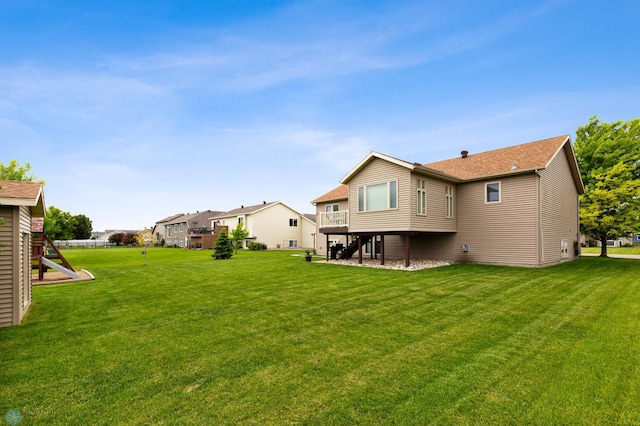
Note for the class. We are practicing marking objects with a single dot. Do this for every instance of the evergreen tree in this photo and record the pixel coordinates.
(223, 249)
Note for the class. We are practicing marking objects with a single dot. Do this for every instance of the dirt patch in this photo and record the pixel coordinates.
(55, 277)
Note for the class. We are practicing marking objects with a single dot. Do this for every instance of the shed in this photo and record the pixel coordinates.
(20, 202)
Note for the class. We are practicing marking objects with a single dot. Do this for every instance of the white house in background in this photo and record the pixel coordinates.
(274, 224)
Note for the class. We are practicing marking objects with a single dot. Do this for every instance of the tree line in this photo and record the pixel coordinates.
(58, 224)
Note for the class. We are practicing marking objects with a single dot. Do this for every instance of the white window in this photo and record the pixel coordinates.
(448, 201)
(293, 222)
(332, 208)
(381, 196)
(240, 219)
(564, 248)
(168, 230)
(182, 227)
(421, 199)
(492, 192)
(293, 243)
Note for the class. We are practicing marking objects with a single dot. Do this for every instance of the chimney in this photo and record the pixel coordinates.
(464, 153)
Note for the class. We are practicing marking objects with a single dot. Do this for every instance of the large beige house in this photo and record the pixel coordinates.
(19, 203)
(512, 206)
(274, 224)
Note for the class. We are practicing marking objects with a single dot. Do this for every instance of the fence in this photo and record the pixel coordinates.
(82, 243)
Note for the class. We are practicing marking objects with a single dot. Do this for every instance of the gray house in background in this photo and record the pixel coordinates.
(19, 203)
(186, 230)
(512, 206)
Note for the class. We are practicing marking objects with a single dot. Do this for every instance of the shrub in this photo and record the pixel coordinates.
(256, 246)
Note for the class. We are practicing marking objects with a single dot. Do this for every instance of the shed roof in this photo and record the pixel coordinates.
(18, 193)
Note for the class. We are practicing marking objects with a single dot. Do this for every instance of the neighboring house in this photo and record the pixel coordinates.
(19, 203)
(159, 229)
(512, 206)
(189, 230)
(274, 224)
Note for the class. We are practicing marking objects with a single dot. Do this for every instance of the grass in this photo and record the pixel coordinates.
(267, 338)
(613, 250)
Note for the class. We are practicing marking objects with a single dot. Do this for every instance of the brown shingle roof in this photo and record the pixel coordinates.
(244, 210)
(20, 190)
(339, 193)
(528, 156)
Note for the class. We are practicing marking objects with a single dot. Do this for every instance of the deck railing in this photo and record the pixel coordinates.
(334, 219)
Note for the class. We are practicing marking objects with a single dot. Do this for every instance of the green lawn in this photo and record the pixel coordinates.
(267, 338)
(613, 250)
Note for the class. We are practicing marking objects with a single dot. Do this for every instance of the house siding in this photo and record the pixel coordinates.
(379, 171)
(503, 233)
(7, 259)
(435, 219)
(271, 227)
(559, 206)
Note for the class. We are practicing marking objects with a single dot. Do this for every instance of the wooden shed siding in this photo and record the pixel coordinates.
(7, 256)
(559, 210)
(501, 233)
(24, 274)
(379, 171)
(435, 219)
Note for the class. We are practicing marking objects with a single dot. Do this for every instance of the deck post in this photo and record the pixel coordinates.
(359, 249)
(327, 247)
(407, 251)
(382, 249)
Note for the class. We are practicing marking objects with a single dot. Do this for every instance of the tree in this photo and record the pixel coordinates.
(58, 224)
(608, 155)
(145, 239)
(116, 238)
(238, 235)
(15, 171)
(81, 226)
(129, 238)
(222, 249)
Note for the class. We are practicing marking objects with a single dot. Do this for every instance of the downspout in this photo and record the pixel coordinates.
(540, 241)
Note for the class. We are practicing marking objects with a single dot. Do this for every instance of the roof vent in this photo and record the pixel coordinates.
(464, 153)
(514, 166)
(264, 202)
(242, 207)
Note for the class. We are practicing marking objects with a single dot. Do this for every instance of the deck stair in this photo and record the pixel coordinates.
(348, 251)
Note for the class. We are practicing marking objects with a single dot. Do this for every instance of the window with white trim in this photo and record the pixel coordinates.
(293, 243)
(241, 220)
(381, 196)
(332, 208)
(293, 222)
(448, 201)
(169, 229)
(421, 197)
(492, 192)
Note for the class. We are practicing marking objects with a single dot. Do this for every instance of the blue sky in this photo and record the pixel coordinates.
(135, 110)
